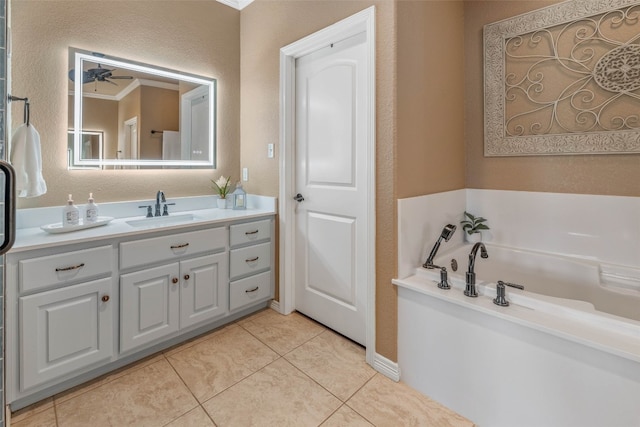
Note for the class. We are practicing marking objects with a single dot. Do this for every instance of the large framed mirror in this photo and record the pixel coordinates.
(148, 117)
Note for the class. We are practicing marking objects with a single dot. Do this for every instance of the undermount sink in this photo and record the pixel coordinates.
(161, 221)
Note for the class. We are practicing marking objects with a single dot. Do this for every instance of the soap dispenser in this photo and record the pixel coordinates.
(70, 214)
(91, 210)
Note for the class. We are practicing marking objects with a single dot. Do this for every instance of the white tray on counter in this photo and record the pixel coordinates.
(58, 228)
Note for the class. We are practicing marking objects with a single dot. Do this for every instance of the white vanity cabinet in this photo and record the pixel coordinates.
(80, 307)
(65, 314)
(159, 301)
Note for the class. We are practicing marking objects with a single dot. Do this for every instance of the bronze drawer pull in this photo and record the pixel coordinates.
(175, 280)
(74, 267)
(184, 245)
(252, 290)
(252, 232)
(105, 298)
(252, 259)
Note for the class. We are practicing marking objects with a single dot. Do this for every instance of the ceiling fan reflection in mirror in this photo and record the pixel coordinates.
(98, 74)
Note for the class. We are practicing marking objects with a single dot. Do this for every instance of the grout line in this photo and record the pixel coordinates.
(353, 409)
(331, 414)
(185, 384)
(55, 412)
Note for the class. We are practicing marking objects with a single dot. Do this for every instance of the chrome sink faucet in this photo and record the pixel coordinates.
(159, 199)
(470, 288)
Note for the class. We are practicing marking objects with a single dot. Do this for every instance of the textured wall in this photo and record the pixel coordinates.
(200, 37)
(582, 174)
(430, 97)
(266, 26)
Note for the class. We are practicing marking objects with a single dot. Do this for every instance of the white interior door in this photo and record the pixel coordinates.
(331, 223)
(194, 126)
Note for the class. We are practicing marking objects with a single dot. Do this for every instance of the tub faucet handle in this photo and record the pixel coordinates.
(444, 282)
(500, 295)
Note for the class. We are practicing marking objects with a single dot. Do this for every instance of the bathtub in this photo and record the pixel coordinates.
(565, 352)
(603, 287)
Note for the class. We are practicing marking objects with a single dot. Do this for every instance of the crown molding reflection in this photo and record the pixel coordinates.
(236, 4)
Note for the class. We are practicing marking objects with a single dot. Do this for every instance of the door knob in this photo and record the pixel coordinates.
(174, 280)
(298, 198)
(186, 277)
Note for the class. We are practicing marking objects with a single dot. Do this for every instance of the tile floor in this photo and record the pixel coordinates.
(264, 370)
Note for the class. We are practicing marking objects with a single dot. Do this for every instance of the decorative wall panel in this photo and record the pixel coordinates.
(564, 80)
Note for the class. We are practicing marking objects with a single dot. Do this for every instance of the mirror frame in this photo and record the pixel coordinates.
(71, 147)
(81, 56)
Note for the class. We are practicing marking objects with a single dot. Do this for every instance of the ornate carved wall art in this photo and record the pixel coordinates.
(564, 80)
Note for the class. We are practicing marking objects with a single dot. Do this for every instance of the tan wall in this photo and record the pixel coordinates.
(266, 26)
(430, 146)
(200, 37)
(583, 174)
(159, 111)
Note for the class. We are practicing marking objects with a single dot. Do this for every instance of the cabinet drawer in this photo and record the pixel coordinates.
(250, 232)
(250, 290)
(43, 272)
(174, 246)
(250, 260)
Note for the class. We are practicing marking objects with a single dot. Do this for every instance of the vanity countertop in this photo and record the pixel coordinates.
(33, 237)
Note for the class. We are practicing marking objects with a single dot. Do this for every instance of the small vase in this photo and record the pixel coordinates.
(222, 203)
(473, 238)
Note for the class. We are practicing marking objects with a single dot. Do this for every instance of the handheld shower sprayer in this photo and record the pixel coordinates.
(446, 234)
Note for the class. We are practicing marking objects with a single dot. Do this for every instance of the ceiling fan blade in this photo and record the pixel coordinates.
(121, 77)
(86, 78)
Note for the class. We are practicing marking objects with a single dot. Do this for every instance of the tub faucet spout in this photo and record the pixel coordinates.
(470, 288)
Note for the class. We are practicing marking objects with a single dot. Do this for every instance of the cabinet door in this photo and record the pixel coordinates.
(149, 304)
(203, 289)
(64, 330)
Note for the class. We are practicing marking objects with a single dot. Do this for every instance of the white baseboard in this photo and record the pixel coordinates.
(386, 367)
(275, 305)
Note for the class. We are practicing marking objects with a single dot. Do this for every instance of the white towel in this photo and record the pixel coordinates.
(170, 145)
(27, 161)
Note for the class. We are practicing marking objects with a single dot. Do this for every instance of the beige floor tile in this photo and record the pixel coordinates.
(283, 333)
(31, 410)
(253, 316)
(386, 403)
(334, 362)
(107, 378)
(346, 416)
(195, 418)
(150, 396)
(43, 418)
(196, 340)
(213, 365)
(278, 395)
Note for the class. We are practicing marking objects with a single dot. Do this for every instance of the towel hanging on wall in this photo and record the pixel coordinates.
(26, 159)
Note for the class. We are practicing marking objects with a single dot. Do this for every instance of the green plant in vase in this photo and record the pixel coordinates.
(473, 226)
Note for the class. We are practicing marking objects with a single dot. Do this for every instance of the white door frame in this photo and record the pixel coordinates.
(362, 21)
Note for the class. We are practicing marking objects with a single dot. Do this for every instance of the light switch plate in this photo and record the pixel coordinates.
(270, 151)
(245, 174)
